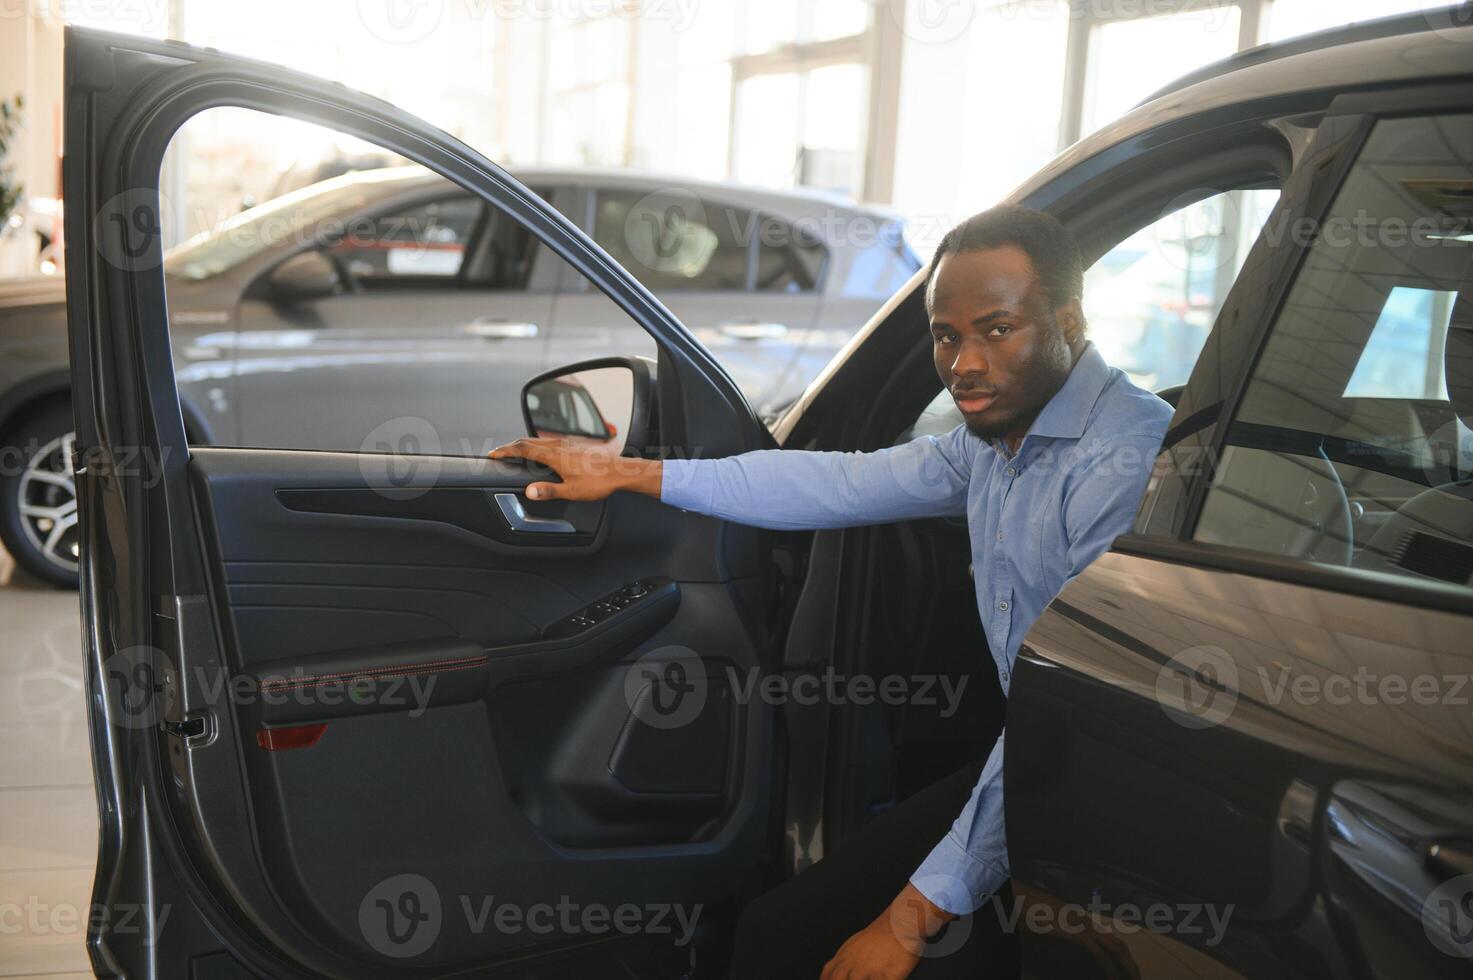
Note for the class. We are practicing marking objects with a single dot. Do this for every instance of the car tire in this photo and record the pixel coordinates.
(38, 499)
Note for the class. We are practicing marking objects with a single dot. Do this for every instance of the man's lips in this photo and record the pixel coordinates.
(973, 401)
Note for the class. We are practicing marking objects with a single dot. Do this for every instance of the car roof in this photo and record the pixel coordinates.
(1387, 51)
(410, 179)
(799, 198)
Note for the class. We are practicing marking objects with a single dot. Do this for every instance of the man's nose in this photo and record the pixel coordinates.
(971, 359)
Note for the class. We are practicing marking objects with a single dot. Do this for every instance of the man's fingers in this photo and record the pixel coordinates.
(544, 491)
(533, 449)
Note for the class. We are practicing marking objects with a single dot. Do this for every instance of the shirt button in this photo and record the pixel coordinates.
(999, 535)
(1003, 606)
(1012, 471)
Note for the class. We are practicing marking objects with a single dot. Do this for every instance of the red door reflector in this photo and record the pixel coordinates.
(293, 737)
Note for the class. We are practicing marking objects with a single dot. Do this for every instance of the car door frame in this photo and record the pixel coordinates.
(143, 569)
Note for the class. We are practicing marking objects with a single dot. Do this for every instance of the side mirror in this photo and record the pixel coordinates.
(604, 402)
(307, 276)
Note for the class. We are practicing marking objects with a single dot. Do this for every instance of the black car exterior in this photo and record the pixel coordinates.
(1186, 796)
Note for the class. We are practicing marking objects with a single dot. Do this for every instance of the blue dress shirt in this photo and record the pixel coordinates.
(1036, 518)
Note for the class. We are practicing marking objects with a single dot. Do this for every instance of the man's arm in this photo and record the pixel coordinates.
(781, 489)
(970, 863)
(1101, 499)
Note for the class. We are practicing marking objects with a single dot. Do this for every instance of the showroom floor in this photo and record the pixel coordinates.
(48, 833)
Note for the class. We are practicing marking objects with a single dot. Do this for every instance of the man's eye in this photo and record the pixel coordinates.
(1000, 330)
(944, 338)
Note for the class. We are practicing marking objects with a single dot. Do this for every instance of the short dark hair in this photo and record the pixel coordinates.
(1050, 247)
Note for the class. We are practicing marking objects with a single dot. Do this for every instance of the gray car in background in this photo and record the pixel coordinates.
(389, 309)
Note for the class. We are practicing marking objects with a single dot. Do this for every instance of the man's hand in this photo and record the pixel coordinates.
(588, 472)
(889, 947)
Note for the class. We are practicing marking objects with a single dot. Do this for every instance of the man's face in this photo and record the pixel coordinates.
(1000, 349)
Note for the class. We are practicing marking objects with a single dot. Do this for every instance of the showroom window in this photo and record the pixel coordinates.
(1351, 445)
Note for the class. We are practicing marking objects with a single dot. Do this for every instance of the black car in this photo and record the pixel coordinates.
(360, 714)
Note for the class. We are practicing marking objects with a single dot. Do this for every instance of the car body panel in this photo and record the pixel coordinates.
(1139, 785)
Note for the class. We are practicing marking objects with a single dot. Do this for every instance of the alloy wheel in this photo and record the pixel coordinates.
(48, 502)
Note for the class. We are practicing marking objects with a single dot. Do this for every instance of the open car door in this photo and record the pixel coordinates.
(360, 713)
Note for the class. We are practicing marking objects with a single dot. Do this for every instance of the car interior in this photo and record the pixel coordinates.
(1351, 446)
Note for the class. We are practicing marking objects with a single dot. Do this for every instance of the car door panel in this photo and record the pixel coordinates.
(534, 741)
(1123, 693)
(529, 775)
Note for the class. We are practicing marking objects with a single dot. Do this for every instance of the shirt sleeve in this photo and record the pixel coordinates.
(1102, 498)
(971, 861)
(794, 490)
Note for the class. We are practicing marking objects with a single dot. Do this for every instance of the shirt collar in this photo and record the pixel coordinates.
(1066, 413)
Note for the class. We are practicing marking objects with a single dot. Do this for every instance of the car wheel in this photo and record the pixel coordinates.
(38, 498)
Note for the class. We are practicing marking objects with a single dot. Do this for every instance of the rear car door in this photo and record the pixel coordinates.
(347, 717)
(1240, 741)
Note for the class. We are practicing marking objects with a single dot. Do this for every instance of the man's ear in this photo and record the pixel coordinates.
(1071, 321)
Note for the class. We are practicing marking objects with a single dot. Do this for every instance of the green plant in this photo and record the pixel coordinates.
(10, 189)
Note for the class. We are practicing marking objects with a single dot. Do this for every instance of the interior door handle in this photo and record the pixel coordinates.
(753, 331)
(1449, 859)
(519, 520)
(500, 329)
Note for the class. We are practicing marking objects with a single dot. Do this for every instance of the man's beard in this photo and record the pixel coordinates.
(1039, 380)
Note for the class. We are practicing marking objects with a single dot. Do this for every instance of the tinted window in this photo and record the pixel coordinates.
(671, 240)
(790, 258)
(1351, 445)
(424, 240)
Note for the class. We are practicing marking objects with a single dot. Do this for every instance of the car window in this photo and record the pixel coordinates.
(381, 310)
(671, 240)
(878, 269)
(1152, 299)
(790, 257)
(1351, 444)
(423, 240)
